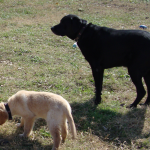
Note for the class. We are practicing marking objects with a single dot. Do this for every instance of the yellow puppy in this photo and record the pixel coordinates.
(31, 105)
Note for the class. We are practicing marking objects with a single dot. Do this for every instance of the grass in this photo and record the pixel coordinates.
(33, 58)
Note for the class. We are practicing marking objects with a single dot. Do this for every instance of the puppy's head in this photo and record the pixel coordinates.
(3, 114)
(69, 25)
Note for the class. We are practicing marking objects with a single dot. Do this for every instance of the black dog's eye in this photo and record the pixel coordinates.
(64, 26)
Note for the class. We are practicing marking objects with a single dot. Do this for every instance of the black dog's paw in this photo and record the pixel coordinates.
(122, 105)
(97, 101)
(131, 106)
(144, 104)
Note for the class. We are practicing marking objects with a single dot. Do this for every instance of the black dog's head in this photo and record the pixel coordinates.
(69, 25)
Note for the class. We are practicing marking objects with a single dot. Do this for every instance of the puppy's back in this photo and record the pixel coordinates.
(41, 102)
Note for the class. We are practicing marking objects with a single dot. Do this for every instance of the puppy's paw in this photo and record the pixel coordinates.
(25, 135)
(21, 135)
(18, 125)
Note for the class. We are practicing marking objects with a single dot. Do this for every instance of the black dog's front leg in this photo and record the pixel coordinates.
(98, 78)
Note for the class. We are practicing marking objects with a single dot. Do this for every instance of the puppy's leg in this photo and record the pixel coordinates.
(64, 130)
(137, 80)
(20, 124)
(53, 122)
(28, 125)
(55, 132)
(98, 78)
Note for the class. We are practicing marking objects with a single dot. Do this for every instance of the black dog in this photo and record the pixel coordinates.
(104, 48)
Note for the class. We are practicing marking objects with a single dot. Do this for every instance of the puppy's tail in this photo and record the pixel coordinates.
(72, 125)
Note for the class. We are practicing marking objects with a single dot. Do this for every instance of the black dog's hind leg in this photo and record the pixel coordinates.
(98, 78)
(147, 81)
(137, 80)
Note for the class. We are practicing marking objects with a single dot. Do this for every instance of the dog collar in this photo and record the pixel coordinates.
(8, 111)
(80, 33)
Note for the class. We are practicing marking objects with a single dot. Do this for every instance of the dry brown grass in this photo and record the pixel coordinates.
(33, 58)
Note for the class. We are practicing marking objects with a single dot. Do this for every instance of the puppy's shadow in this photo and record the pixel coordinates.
(108, 124)
(13, 141)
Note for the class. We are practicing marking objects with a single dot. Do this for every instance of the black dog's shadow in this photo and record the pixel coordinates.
(107, 124)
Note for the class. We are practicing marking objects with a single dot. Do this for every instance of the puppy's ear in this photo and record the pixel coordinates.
(3, 116)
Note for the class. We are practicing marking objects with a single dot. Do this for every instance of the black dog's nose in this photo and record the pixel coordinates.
(52, 28)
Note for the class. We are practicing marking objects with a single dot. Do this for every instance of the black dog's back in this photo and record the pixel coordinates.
(113, 47)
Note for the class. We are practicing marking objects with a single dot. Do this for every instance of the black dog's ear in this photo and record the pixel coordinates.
(77, 23)
(83, 21)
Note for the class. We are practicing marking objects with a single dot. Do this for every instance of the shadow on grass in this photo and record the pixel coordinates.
(14, 142)
(107, 123)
